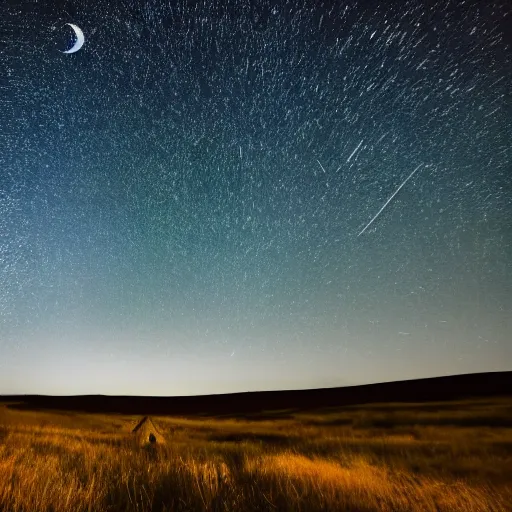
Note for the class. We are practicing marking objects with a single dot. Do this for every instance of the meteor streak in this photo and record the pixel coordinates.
(387, 202)
(321, 166)
(354, 152)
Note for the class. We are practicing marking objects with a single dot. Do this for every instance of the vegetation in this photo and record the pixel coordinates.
(392, 457)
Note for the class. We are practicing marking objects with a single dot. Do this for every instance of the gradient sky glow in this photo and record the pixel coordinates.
(180, 200)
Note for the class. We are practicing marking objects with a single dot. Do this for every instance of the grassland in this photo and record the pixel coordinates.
(383, 457)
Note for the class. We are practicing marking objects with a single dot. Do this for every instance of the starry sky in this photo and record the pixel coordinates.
(202, 198)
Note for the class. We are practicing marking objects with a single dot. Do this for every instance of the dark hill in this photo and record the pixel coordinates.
(420, 390)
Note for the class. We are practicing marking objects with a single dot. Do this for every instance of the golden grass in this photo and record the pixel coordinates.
(353, 458)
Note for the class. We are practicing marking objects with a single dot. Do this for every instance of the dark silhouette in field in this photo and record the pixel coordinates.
(278, 404)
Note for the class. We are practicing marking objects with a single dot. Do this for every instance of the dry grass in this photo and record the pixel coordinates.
(391, 457)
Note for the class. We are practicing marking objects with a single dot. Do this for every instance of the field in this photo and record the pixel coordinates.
(382, 457)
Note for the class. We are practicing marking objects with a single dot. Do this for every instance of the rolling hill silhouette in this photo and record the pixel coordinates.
(418, 390)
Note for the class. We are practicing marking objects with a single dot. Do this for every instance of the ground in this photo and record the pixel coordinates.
(447, 456)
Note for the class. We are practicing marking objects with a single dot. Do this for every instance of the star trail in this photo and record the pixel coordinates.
(188, 203)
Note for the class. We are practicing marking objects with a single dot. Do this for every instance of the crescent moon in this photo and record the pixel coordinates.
(80, 39)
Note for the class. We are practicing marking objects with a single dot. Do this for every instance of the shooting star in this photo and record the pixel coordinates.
(322, 167)
(388, 201)
(354, 152)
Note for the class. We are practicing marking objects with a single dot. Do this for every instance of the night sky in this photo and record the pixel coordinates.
(184, 202)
